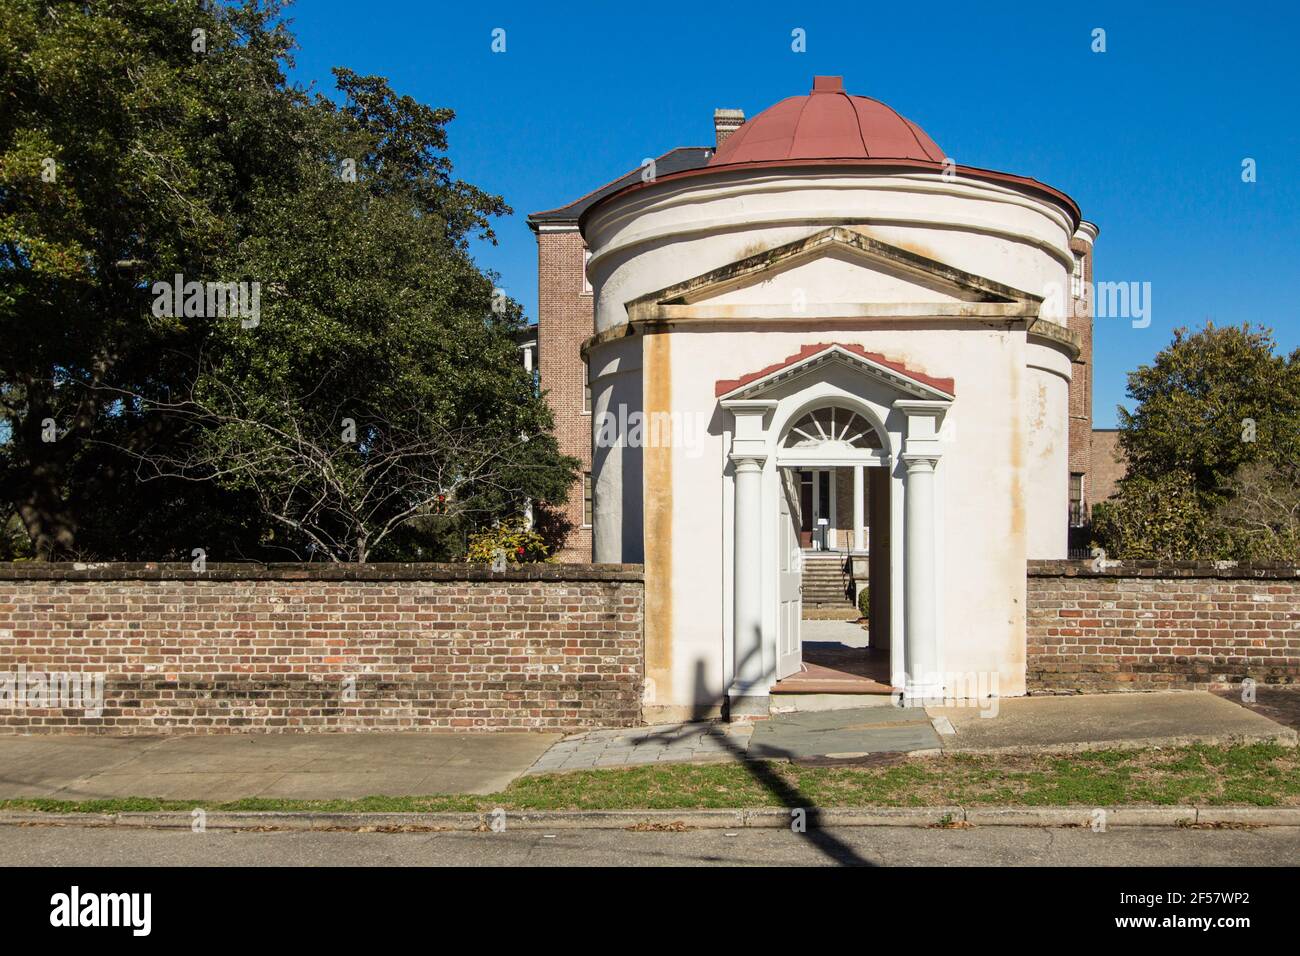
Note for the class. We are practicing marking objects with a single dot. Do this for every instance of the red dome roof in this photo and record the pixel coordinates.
(827, 124)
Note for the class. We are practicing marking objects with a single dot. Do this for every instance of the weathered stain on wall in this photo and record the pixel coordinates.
(1016, 546)
(658, 524)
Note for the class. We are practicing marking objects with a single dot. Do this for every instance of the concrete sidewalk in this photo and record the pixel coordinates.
(291, 766)
(1102, 721)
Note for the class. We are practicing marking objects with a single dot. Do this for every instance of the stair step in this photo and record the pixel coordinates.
(812, 702)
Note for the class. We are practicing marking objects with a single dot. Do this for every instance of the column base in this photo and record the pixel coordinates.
(750, 704)
(920, 693)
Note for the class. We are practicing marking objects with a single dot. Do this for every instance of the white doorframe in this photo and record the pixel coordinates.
(909, 432)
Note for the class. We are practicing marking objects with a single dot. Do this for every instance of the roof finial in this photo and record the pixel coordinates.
(828, 84)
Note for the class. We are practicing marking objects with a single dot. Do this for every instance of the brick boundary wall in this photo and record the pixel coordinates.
(292, 648)
(1151, 625)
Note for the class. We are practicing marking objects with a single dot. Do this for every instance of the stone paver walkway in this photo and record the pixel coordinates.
(666, 743)
(837, 733)
(852, 732)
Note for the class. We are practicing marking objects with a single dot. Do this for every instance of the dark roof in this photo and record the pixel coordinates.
(674, 161)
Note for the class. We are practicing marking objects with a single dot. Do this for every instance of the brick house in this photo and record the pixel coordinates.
(1108, 463)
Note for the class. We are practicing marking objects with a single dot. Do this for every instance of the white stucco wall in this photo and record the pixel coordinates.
(1046, 414)
(981, 556)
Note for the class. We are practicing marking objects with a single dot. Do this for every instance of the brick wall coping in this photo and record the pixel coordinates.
(181, 571)
(1268, 570)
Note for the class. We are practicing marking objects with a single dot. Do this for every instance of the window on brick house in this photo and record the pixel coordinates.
(1076, 277)
(586, 398)
(586, 283)
(587, 499)
(1078, 513)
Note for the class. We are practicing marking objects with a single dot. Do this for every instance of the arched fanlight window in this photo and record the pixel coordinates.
(830, 425)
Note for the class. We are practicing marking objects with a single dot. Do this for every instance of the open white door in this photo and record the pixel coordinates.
(789, 656)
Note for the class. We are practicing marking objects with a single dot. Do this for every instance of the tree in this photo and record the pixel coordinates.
(1259, 519)
(346, 491)
(341, 220)
(1152, 518)
(375, 315)
(1211, 401)
(1211, 444)
(131, 136)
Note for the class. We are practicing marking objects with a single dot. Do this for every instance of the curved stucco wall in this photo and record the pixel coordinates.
(616, 467)
(1047, 439)
(666, 232)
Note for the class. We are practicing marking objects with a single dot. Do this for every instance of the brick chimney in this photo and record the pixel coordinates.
(726, 122)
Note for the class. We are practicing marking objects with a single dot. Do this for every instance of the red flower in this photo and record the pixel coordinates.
(519, 550)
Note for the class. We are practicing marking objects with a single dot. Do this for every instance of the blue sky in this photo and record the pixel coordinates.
(1148, 137)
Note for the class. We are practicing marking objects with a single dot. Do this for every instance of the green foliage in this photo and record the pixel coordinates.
(511, 538)
(1259, 519)
(1212, 446)
(14, 543)
(1211, 401)
(151, 151)
(209, 164)
(1152, 518)
(864, 601)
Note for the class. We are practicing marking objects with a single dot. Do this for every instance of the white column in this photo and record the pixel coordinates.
(922, 664)
(859, 519)
(920, 598)
(747, 613)
(748, 453)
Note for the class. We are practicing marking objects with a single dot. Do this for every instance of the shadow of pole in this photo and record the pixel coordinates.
(786, 793)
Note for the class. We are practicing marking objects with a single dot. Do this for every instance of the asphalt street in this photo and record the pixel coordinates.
(878, 846)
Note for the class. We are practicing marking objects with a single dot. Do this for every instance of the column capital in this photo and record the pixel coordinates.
(925, 420)
(920, 461)
(747, 461)
(750, 438)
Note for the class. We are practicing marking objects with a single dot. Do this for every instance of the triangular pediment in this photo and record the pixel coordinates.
(812, 359)
(835, 272)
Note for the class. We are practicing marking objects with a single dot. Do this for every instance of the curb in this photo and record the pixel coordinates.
(737, 819)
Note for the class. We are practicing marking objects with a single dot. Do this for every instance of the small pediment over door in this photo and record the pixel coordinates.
(815, 359)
